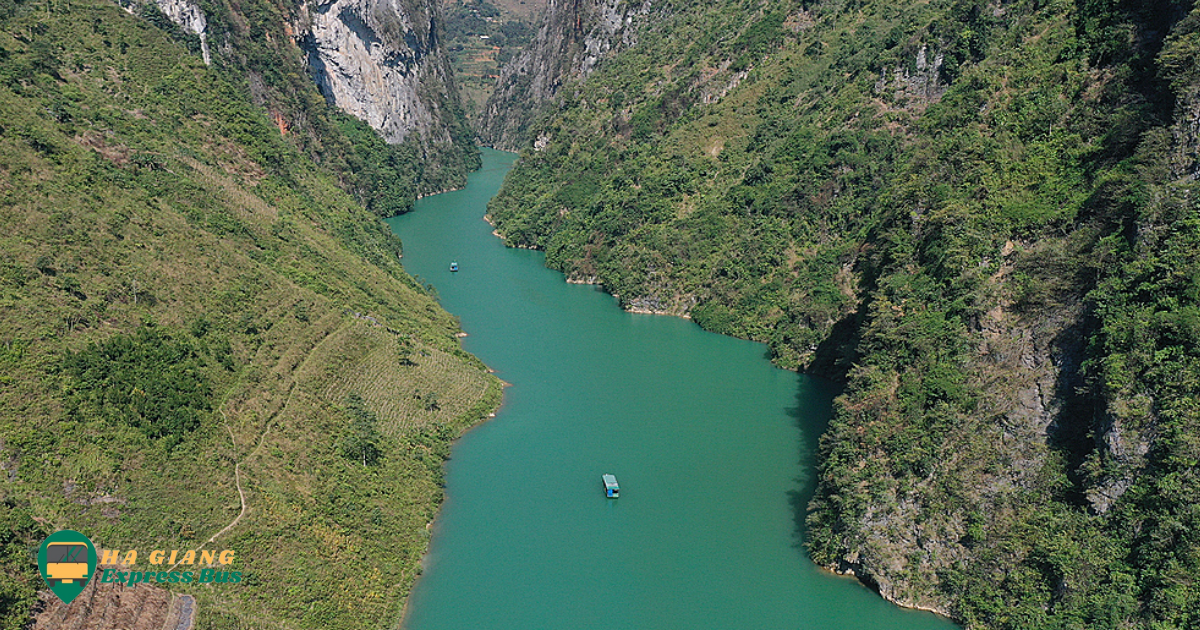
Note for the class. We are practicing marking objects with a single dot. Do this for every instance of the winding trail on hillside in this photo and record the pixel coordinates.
(237, 479)
(237, 468)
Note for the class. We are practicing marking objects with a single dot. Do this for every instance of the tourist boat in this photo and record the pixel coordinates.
(454, 266)
(611, 489)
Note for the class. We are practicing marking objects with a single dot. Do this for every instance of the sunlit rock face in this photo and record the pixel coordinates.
(382, 61)
(188, 15)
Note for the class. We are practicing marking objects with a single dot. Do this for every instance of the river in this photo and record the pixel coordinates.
(712, 446)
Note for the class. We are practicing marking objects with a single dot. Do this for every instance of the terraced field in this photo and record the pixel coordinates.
(408, 386)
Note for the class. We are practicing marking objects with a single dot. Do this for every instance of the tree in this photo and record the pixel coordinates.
(404, 351)
(362, 441)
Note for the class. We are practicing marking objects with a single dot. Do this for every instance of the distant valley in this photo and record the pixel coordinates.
(977, 217)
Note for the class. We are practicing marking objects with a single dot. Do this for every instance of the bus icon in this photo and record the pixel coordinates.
(66, 562)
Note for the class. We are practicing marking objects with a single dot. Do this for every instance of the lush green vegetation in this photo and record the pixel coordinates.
(981, 216)
(147, 380)
(482, 37)
(185, 293)
(18, 534)
(362, 442)
(384, 177)
(254, 51)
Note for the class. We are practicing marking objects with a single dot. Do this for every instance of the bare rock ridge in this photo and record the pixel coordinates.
(379, 60)
(188, 15)
(382, 61)
(574, 36)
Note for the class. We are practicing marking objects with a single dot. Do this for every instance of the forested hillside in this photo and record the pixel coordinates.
(980, 215)
(383, 63)
(202, 333)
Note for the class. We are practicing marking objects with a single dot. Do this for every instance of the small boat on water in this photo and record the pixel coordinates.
(454, 266)
(611, 489)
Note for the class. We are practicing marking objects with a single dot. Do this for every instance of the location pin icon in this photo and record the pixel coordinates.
(67, 562)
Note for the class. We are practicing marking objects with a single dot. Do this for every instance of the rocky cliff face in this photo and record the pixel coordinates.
(1030, 412)
(189, 16)
(575, 35)
(379, 60)
(382, 61)
(916, 87)
(1185, 135)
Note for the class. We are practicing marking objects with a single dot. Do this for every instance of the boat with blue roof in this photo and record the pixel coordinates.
(611, 489)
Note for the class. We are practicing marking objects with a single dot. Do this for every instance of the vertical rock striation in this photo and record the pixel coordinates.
(190, 17)
(382, 61)
(379, 60)
(918, 87)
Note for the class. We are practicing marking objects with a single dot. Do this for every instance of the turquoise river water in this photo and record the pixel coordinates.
(713, 448)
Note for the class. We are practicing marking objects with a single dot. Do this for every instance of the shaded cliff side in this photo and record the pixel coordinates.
(382, 61)
(980, 215)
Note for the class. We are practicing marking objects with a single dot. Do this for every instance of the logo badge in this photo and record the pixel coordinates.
(67, 561)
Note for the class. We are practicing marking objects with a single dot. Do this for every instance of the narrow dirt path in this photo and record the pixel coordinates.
(237, 478)
(237, 470)
(237, 467)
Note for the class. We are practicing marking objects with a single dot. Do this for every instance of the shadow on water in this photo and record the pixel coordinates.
(812, 412)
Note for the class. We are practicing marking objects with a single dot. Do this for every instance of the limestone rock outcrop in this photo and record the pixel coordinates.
(382, 61)
(189, 16)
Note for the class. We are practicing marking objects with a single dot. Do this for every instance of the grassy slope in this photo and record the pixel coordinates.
(139, 189)
(991, 250)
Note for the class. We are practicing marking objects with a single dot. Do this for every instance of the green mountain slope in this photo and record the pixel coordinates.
(266, 49)
(191, 313)
(980, 215)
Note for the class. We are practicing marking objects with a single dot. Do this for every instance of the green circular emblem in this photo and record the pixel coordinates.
(67, 561)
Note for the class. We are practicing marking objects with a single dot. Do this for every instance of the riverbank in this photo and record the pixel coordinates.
(705, 435)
